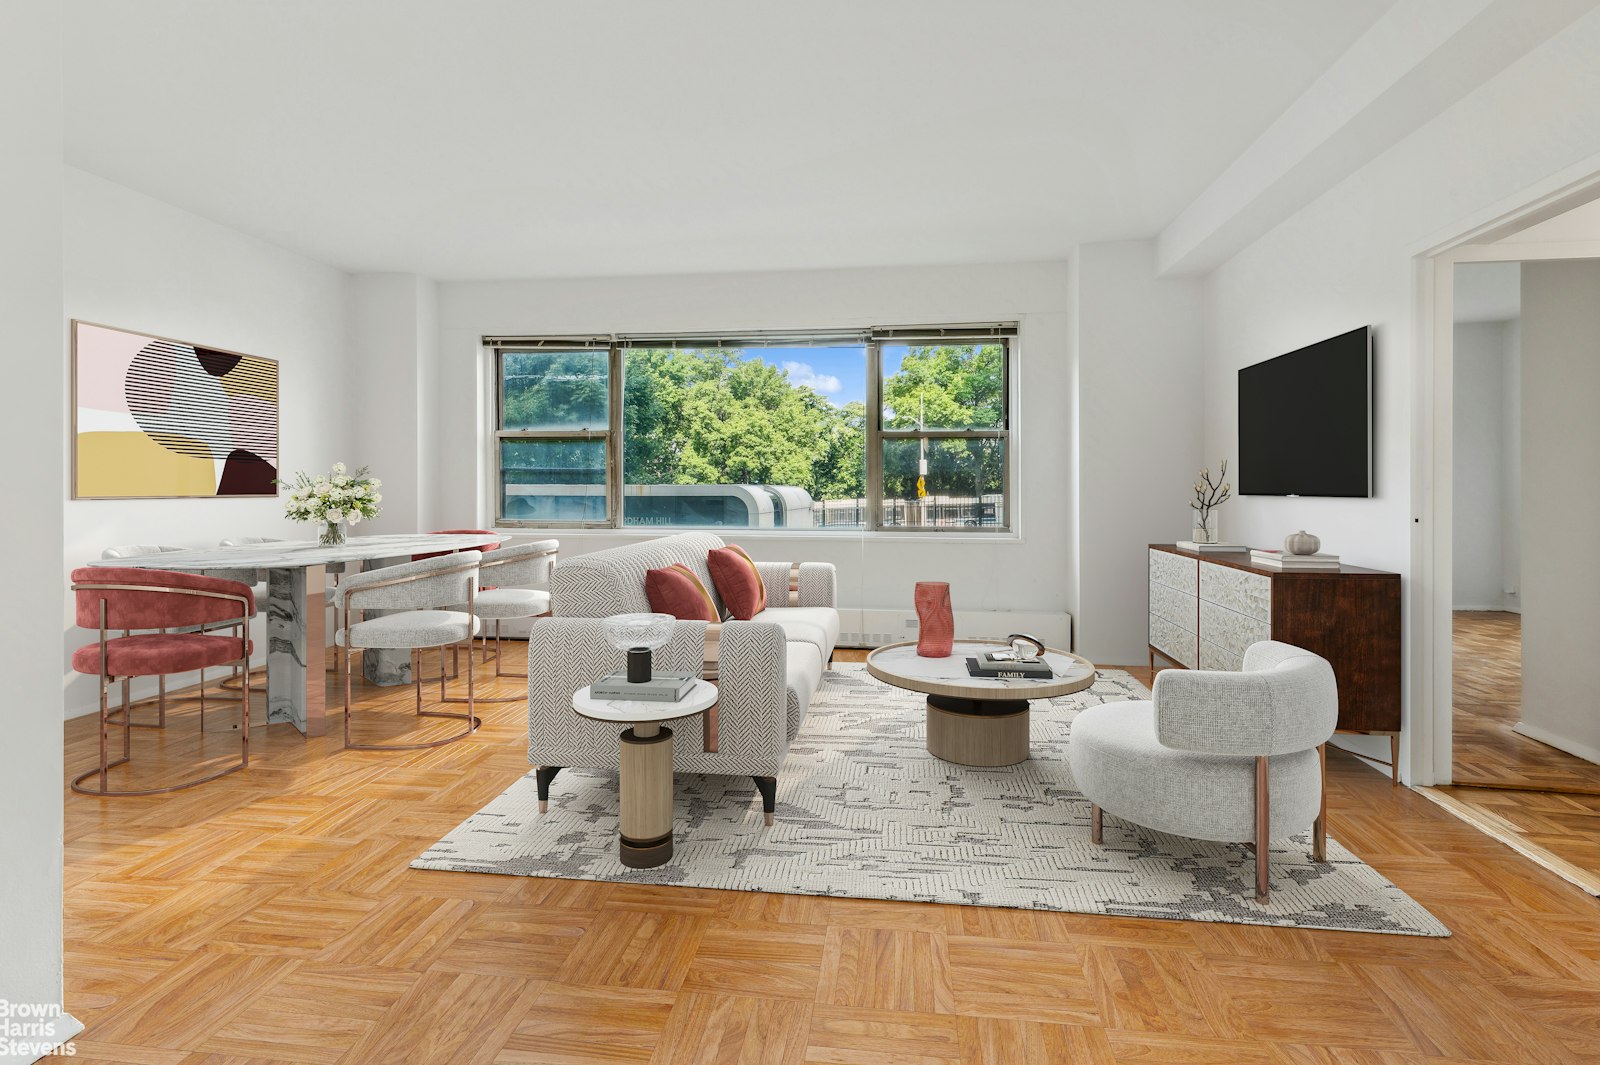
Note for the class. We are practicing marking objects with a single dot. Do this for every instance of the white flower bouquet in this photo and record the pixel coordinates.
(333, 501)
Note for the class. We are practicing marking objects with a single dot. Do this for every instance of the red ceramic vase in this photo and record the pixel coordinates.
(936, 625)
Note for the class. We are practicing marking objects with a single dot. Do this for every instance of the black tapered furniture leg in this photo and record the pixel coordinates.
(543, 776)
(768, 787)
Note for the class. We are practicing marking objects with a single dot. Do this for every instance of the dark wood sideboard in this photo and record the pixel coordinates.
(1205, 609)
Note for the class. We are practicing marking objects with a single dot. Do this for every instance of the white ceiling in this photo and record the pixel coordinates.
(514, 138)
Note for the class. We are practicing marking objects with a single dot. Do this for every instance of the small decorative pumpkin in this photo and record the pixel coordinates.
(1301, 543)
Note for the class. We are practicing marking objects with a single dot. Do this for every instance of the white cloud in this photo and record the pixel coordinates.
(801, 373)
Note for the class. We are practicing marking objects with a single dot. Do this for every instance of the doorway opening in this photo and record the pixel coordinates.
(1522, 443)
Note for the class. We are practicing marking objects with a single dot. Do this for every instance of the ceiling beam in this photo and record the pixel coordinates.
(1417, 60)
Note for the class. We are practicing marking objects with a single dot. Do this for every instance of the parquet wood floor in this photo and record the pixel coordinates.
(1487, 678)
(1547, 798)
(270, 917)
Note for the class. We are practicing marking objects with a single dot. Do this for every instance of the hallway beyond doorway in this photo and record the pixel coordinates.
(1488, 702)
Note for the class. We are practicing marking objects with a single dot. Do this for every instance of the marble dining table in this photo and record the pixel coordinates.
(297, 574)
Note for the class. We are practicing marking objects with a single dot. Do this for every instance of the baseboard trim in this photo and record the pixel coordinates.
(1503, 831)
(1560, 743)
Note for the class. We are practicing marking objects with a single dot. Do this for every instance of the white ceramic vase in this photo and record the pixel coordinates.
(1301, 543)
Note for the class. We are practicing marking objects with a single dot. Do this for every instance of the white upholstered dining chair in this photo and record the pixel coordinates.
(421, 605)
(504, 596)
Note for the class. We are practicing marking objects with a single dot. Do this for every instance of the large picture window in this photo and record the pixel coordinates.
(904, 429)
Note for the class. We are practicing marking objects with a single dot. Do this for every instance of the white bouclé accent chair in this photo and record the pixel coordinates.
(1196, 760)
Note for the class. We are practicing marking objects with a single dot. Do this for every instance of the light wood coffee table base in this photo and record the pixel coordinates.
(974, 721)
(978, 732)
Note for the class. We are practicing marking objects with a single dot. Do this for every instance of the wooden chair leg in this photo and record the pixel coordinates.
(1263, 825)
(1097, 831)
(1319, 829)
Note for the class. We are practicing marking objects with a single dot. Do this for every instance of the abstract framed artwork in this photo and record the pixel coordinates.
(155, 418)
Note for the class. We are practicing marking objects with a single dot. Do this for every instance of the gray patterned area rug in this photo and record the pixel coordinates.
(865, 811)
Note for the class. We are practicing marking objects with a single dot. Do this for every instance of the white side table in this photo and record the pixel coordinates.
(645, 767)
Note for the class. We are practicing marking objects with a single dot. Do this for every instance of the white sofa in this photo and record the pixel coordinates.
(769, 667)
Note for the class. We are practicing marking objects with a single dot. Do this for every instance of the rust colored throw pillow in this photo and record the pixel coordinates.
(677, 591)
(738, 581)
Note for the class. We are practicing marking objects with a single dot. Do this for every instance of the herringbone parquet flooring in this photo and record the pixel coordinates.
(1517, 786)
(271, 918)
(1487, 676)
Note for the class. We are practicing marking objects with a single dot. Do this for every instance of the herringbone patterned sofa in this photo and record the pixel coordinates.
(769, 667)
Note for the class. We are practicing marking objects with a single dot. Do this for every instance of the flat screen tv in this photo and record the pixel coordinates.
(1305, 420)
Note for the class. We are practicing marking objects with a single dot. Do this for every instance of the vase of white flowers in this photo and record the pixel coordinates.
(334, 500)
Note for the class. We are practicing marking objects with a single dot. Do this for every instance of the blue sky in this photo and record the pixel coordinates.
(840, 373)
(837, 373)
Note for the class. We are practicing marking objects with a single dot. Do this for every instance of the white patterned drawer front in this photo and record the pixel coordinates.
(1174, 571)
(1229, 629)
(1214, 657)
(1174, 642)
(1237, 589)
(1169, 604)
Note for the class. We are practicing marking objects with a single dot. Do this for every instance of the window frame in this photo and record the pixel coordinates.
(610, 434)
(877, 435)
(874, 340)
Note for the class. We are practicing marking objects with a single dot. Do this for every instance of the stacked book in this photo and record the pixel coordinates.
(663, 687)
(1282, 560)
(1008, 665)
(1208, 549)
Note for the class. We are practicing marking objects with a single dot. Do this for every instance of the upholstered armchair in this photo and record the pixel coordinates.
(1235, 757)
(768, 667)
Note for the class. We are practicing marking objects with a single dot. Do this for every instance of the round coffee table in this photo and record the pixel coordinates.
(974, 721)
(645, 767)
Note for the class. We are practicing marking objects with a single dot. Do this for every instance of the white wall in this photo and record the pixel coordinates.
(32, 331)
(1137, 358)
(1028, 572)
(390, 370)
(136, 263)
(1486, 503)
(1347, 260)
(1511, 469)
(1560, 503)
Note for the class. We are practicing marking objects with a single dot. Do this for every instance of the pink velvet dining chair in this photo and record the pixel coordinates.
(112, 598)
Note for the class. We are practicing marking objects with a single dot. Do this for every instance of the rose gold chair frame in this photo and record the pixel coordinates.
(494, 655)
(128, 724)
(473, 722)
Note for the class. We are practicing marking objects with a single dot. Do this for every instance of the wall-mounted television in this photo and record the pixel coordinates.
(1305, 420)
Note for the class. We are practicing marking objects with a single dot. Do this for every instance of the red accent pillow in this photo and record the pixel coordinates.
(738, 581)
(677, 591)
